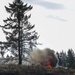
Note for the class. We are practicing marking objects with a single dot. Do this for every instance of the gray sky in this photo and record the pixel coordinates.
(54, 21)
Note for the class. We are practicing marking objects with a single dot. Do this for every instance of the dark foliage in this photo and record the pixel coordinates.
(33, 70)
(19, 34)
(66, 59)
(71, 58)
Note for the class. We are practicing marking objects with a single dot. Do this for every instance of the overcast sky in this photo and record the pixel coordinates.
(54, 21)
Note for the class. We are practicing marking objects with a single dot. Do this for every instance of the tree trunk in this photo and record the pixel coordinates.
(19, 49)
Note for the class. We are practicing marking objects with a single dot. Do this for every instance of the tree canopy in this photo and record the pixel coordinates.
(20, 36)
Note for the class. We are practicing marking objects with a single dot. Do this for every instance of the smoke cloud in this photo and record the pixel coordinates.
(39, 56)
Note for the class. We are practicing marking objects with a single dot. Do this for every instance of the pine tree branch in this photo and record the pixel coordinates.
(10, 19)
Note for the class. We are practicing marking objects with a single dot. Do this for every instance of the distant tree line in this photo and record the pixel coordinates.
(66, 59)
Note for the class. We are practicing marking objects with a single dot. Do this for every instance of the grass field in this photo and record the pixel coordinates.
(33, 70)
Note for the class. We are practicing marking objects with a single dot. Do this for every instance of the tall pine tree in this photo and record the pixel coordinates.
(19, 34)
(71, 58)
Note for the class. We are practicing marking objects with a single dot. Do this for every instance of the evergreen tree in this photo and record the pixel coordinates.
(62, 58)
(70, 58)
(19, 34)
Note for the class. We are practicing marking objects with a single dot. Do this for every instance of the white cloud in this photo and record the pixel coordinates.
(56, 32)
(70, 4)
